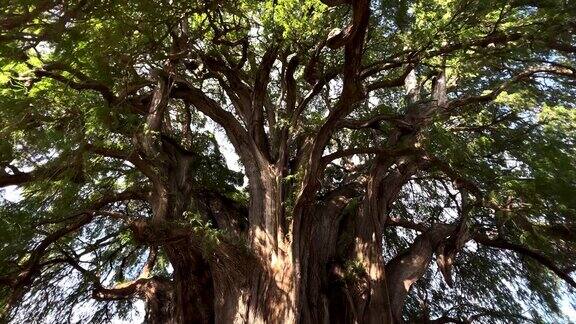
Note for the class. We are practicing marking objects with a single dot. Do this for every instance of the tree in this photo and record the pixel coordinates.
(405, 160)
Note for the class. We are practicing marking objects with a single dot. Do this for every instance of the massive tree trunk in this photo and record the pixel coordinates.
(330, 270)
(276, 287)
(302, 256)
(321, 263)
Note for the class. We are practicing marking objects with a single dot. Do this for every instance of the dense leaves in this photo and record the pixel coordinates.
(464, 110)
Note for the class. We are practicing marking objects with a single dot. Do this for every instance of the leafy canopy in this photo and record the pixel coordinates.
(76, 80)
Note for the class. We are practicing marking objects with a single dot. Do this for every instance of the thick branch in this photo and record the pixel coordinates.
(105, 91)
(259, 96)
(555, 70)
(544, 260)
(24, 276)
(236, 133)
(351, 93)
(499, 243)
(407, 268)
(52, 170)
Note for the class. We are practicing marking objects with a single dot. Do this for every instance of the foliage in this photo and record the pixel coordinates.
(77, 79)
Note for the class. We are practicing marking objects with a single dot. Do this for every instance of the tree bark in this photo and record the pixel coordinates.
(273, 284)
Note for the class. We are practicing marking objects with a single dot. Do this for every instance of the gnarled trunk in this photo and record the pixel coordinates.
(275, 283)
(160, 303)
(193, 287)
(320, 262)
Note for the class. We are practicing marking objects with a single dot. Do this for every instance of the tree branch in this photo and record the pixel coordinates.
(545, 261)
(498, 243)
(105, 91)
(460, 102)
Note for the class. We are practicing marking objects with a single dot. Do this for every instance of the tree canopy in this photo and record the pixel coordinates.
(426, 146)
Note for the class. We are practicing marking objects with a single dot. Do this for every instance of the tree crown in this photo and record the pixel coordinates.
(105, 106)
